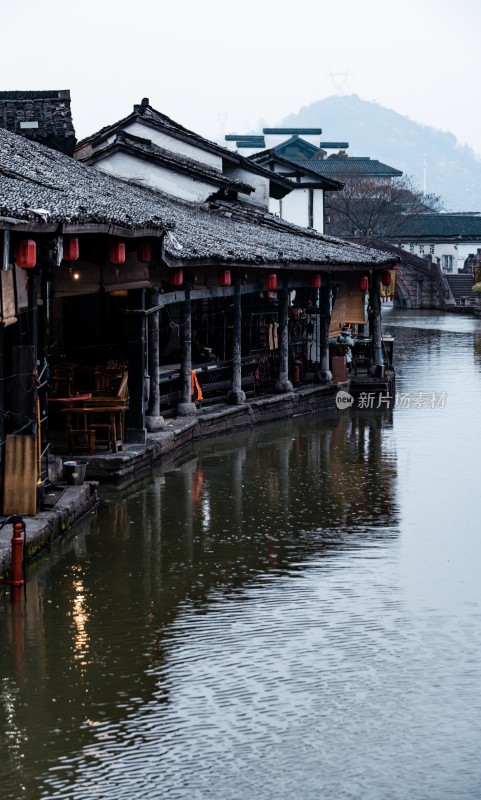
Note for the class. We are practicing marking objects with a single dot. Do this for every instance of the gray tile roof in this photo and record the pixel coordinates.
(40, 184)
(33, 176)
(342, 168)
(42, 116)
(442, 226)
(235, 233)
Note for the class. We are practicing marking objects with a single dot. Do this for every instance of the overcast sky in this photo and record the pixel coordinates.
(218, 66)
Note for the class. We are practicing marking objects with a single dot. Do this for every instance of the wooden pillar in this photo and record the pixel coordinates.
(32, 289)
(32, 298)
(375, 319)
(153, 409)
(325, 375)
(135, 416)
(236, 396)
(186, 407)
(283, 383)
(2, 394)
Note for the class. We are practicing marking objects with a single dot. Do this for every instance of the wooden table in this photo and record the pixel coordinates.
(71, 400)
(115, 414)
(89, 418)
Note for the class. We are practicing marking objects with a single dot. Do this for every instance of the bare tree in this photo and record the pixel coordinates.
(378, 208)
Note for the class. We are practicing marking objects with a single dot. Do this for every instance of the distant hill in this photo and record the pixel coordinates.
(452, 170)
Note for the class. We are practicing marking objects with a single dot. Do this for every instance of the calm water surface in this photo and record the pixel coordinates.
(290, 613)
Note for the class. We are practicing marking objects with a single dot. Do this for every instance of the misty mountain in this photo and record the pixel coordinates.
(452, 170)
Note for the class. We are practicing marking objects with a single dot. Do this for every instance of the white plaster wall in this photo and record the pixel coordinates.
(175, 145)
(295, 207)
(260, 197)
(459, 252)
(131, 168)
(275, 206)
(319, 210)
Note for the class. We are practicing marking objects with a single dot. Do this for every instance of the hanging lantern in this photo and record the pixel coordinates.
(316, 281)
(224, 277)
(176, 277)
(117, 253)
(386, 278)
(364, 283)
(71, 250)
(271, 282)
(26, 254)
(144, 252)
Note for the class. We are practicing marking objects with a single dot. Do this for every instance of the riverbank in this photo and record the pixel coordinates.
(48, 525)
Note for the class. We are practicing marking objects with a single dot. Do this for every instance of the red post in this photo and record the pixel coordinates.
(16, 575)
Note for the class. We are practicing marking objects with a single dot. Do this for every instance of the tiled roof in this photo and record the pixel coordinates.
(342, 168)
(442, 226)
(337, 145)
(144, 148)
(39, 184)
(302, 166)
(235, 233)
(42, 116)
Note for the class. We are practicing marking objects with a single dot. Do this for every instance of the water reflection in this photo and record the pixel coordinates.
(279, 614)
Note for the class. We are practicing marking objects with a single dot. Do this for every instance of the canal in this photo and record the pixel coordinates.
(289, 613)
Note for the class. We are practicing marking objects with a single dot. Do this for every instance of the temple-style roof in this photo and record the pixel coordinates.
(42, 116)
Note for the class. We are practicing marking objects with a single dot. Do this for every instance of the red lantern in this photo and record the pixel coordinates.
(26, 254)
(315, 281)
(271, 282)
(176, 277)
(364, 283)
(386, 278)
(144, 252)
(117, 253)
(71, 250)
(224, 277)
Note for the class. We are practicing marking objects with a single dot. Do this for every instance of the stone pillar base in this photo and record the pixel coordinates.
(136, 435)
(186, 410)
(236, 397)
(324, 376)
(283, 387)
(154, 424)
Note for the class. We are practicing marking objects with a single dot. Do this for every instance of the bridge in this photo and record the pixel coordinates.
(422, 284)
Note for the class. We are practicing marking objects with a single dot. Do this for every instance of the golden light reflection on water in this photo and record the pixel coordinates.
(80, 618)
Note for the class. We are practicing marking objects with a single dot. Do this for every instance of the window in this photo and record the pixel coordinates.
(447, 264)
(411, 248)
(421, 249)
(431, 249)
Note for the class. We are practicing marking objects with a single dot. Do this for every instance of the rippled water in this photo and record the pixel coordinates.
(293, 612)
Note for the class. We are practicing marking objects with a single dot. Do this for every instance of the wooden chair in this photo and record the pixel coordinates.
(82, 439)
(62, 380)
